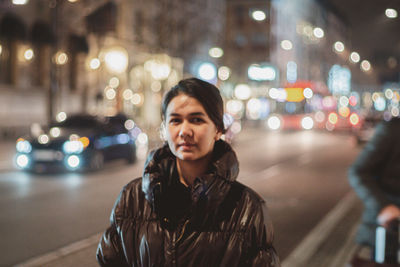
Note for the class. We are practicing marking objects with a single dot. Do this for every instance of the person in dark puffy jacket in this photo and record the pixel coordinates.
(187, 209)
(375, 176)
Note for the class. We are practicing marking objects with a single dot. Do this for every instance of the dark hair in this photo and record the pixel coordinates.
(206, 93)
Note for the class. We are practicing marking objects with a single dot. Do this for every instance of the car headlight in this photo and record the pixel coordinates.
(73, 147)
(23, 146)
(22, 161)
(307, 123)
(73, 162)
(274, 123)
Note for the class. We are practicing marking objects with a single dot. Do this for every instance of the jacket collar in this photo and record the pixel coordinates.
(160, 166)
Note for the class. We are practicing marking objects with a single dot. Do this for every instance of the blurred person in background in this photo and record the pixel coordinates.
(188, 209)
(375, 176)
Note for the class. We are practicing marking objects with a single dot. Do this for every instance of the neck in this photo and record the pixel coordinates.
(189, 170)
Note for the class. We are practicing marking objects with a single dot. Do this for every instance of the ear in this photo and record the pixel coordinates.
(218, 135)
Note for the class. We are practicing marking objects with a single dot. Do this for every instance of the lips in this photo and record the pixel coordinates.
(185, 145)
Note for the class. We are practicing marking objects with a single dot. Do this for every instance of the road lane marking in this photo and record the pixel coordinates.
(61, 252)
(307, 248)
(265, 174)
(269, 172)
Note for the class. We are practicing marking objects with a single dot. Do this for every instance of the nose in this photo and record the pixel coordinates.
(185, 130)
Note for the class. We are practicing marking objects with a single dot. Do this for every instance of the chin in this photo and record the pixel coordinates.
(190, 156)
(187, 156)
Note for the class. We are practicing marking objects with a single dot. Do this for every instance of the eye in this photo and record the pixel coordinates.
(174, 121)
(197, 120)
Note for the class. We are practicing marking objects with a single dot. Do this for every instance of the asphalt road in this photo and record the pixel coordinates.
(301, 175)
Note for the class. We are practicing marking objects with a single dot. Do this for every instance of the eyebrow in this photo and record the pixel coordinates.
(191, 114)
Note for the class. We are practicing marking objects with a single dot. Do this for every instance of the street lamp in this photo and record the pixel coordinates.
(318, 32)
(242, 91)
(94, 63)
(286, 45)
(339, 47)
(158, 70)
(224, 73)
(354, 57)
(365, 65)
(28, 54)
(216, 52)
(258, 15)
(261, 73)
(207, 71)
(391, 13)
(20, 2)
(116, 59)
(60, 58)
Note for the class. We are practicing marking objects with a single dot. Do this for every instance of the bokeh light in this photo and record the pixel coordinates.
(258, 15)
(391, 13)
(110, 93)
(114, 82)
(61, 116)
(318, 32)
(365, 65)
(333, 118)
(354, 119)
(286, 45)
(355, 57)
(61, 58)
(307, 123)
(224, 73)
(216, 52)
(116, 60)
(94, 63)
(338, 46)
(28, 55)
(344, 112)
(274, 123)
(242, 91)
(20, 2)
(308, 93)
(55, 132)
(207, 71)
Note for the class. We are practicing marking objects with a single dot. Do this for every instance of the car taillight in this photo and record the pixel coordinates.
(354, 119)
(333, 118)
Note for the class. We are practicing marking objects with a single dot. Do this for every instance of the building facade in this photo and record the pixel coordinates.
(100, 57)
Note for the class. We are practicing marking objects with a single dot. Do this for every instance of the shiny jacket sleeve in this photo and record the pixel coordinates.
(109, 250)
(365, 173)
(262, 252)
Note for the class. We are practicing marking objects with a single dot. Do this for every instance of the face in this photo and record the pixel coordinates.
(190, 133)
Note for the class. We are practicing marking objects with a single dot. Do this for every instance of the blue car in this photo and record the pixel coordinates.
(78, 143)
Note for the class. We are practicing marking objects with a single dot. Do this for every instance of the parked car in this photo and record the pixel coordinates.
(80, 142)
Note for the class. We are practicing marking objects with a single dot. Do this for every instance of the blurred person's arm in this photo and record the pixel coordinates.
(365, 173)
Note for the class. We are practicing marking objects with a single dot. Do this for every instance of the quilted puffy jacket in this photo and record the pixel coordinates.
(156, 221)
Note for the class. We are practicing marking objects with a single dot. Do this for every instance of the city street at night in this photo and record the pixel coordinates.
(88, 88)
(301, 175)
